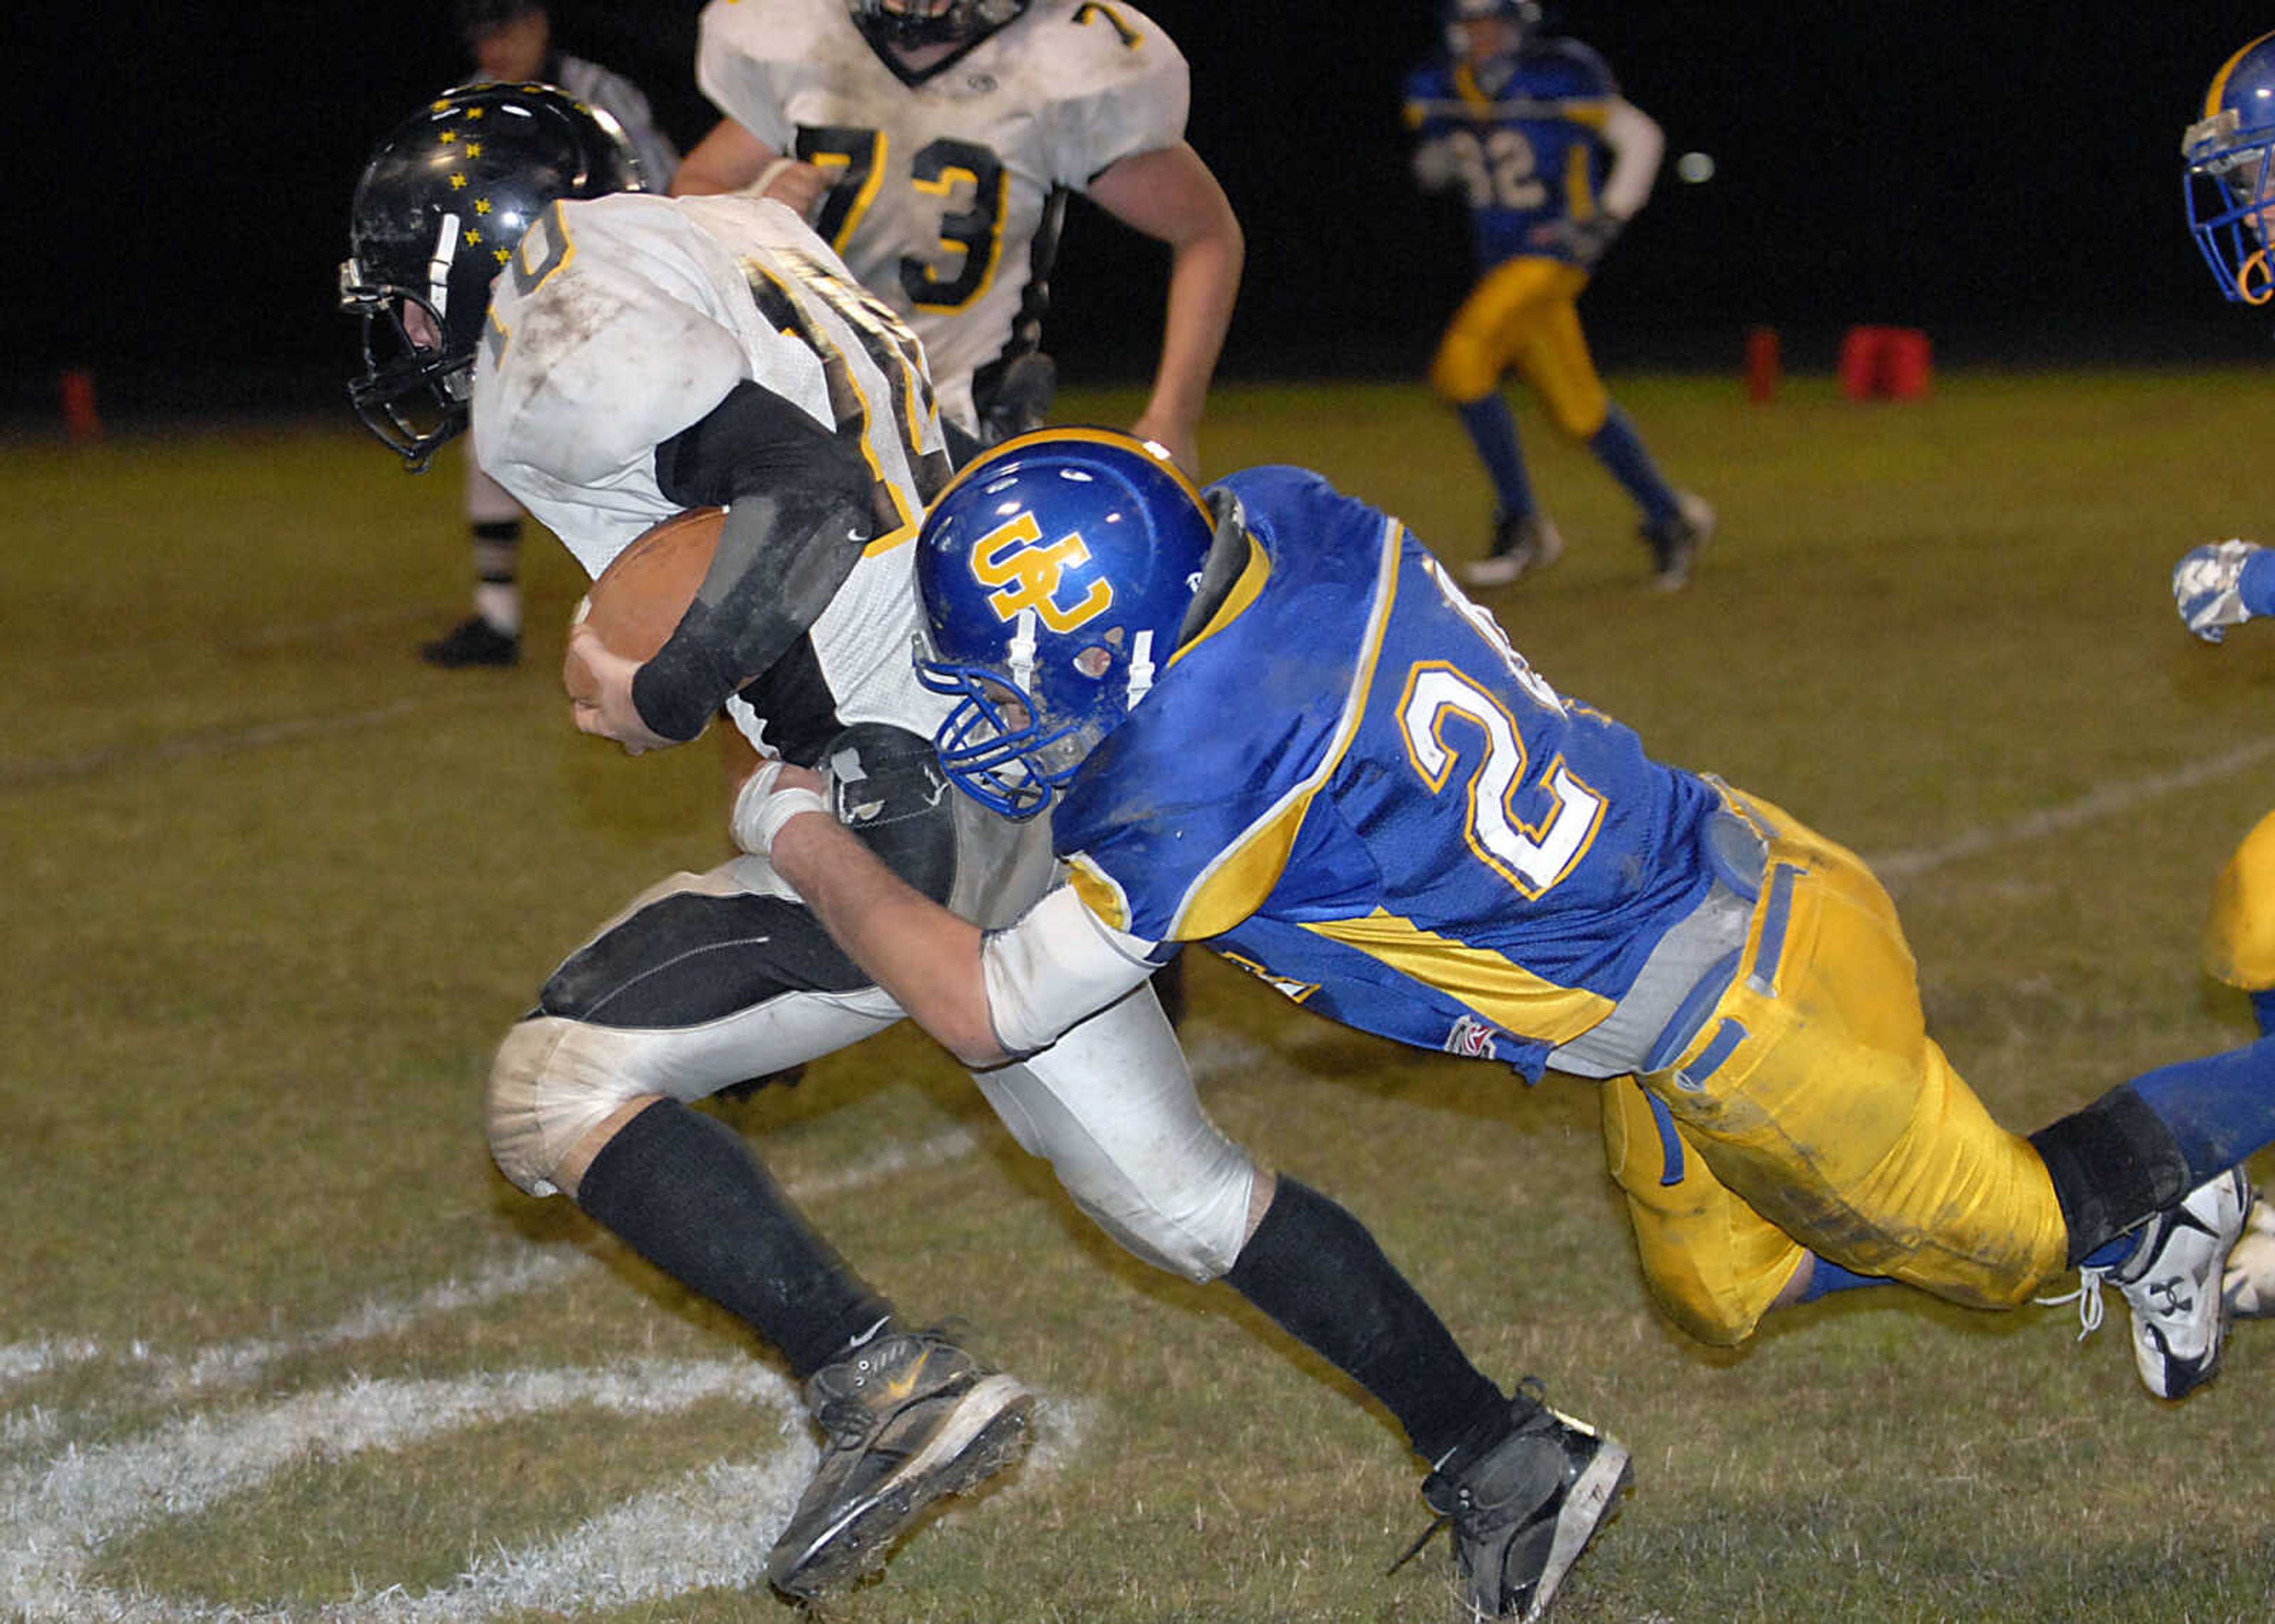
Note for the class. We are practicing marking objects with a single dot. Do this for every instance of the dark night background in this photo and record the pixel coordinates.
(2006, 177)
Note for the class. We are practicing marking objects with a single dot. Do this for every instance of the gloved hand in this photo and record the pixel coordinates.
(1582, 241)
(2208, 587)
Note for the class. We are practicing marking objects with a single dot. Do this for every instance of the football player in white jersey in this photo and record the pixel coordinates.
(625, 357)
(932, 143)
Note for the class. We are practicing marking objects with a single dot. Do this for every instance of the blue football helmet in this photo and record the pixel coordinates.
(2231, 174)
(439, 210)
(1055, 573)
(1523, 14)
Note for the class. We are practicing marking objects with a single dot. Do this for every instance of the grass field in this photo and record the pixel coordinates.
(276, 1341)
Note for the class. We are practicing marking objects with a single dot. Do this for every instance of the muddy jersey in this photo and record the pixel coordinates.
(946, 186)
(622, 321)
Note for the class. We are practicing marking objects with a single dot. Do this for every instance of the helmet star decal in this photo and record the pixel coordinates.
(442, 206)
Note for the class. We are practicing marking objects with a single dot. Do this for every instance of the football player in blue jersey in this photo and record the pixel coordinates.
(2229, 154)
(1268, 720)
(1553, 162)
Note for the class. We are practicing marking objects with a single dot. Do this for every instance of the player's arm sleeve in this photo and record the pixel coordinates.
(739, 80)
(1059, 964)
(800, 511)
(1124, 96)
(1637, 144)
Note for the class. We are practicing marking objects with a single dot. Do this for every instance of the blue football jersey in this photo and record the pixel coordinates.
(1525, 133)
(1352, 785)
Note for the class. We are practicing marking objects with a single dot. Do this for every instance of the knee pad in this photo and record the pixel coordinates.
(552, 1083)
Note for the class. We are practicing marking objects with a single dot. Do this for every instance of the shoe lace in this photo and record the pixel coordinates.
(2088, 1298)
(1444, 1519)
(1530, 1397)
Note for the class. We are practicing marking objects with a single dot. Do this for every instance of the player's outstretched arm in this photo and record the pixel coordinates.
(928, 959)
(1171, 195)
(2221, 584)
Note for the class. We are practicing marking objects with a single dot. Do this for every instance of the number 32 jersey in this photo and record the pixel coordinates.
(945, 187)
(1409, 830)
(1525, 133)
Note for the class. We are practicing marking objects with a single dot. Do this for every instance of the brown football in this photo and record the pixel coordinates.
(636, 601)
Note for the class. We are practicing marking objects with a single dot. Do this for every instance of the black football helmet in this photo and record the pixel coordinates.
(439, 209)
(911, 22)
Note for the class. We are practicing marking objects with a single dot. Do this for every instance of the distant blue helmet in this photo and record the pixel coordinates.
(1055, 573)
(2231, 179)
(1453, 13)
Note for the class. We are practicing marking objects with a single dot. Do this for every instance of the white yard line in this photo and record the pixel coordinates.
(710, 1529)
(2112, 800)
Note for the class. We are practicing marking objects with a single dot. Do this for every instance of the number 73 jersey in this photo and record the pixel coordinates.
(1351, 785)
(945, 186)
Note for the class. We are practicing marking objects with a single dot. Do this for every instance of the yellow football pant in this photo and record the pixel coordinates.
(1521, 316)
(2240, 936)
(1813, 1113)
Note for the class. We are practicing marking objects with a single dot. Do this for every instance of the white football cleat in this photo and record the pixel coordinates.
(2172, 1284)
(1521, 547)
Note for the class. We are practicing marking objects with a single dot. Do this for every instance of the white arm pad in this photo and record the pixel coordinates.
(1059, 963)
(1637, 144)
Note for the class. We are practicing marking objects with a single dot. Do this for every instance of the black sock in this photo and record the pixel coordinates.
(2112, 1165)
(685, 1192)
(1317, 1272)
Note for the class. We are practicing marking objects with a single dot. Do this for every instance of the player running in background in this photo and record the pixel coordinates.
(2230, 176)
(641, 355)
(933, 143)
(512, 41)
(1419, 836)
(1553, 162)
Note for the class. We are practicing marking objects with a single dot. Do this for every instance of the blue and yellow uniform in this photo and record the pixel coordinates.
(1522, 137)
(1409, 831)
(1551, 161)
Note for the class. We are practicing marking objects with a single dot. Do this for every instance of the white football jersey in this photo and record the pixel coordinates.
(622, 321)
(941, 194)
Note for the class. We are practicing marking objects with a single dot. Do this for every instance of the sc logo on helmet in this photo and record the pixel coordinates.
(1028, 573)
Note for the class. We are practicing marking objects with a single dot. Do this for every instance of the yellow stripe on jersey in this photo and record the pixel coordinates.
(1252, 576)
(880, 145)
(1099, 893)
(1490, 983)
(1579, 196)
(855, 413)
(1235, 885)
